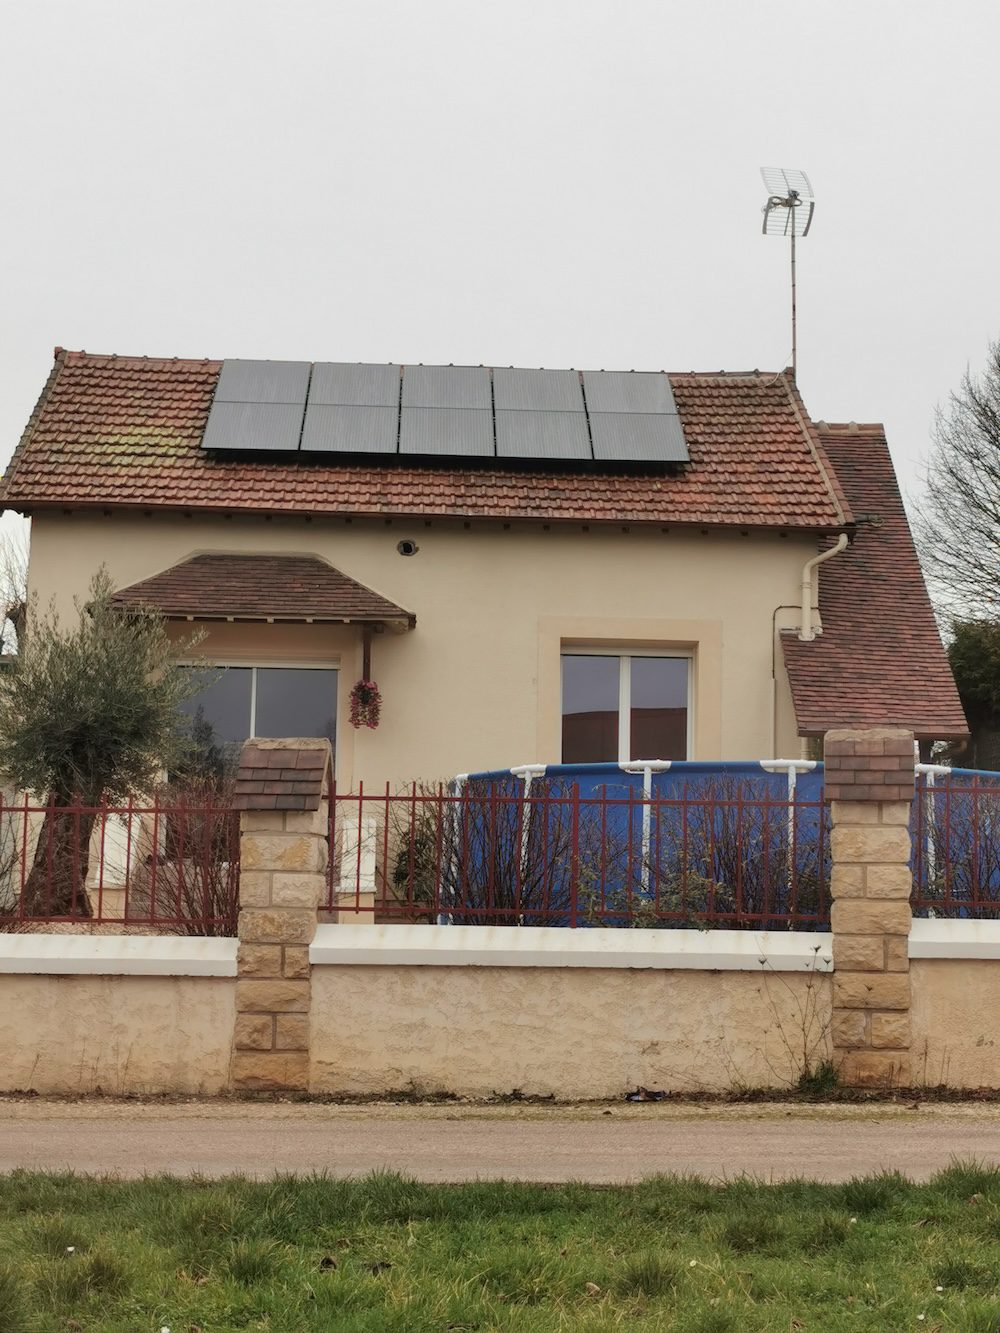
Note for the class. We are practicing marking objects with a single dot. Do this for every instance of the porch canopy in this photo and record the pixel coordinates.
(268, 588)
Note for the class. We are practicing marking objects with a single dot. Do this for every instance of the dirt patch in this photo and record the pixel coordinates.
(99, 1108)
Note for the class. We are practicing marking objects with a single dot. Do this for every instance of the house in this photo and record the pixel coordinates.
(535, 566)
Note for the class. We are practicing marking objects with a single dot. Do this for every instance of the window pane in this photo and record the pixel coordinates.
(659, 708)
(221, 708)
(295, 701)
(589, 709)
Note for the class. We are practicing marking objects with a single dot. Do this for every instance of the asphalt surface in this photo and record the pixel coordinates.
(591, 1145)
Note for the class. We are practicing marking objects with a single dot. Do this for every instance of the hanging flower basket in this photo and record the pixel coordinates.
(366, 704)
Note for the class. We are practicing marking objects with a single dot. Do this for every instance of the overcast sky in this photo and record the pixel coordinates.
(557, 183)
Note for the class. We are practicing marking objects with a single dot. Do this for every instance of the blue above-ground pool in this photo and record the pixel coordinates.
(768, 778)
(955, 826)
(737, 844)
(652, 843)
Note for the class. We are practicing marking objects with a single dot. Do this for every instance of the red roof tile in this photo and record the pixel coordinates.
(126, 431)
(879, 661)
(261, 587)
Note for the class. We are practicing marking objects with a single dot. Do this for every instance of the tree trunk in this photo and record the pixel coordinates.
(56, 883)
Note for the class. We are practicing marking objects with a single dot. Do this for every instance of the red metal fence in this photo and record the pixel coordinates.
(495, 852)
(955, 827)
(165, 866)
(490, 853)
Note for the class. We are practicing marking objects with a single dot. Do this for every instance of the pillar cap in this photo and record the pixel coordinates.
(875, 764)
(283, 774)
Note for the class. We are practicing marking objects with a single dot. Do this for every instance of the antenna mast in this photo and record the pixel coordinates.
(788, 212)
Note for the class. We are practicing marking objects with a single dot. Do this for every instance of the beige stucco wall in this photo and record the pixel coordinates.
(954, 1008)
(574, 1032)
(118, 1034)
(476, 685)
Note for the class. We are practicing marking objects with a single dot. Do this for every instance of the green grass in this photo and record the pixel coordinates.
(385, 1253)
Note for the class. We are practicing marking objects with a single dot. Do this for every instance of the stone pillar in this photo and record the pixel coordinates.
(869, 781)
(283, 856)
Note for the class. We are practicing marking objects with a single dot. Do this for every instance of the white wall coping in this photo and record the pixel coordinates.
(119, 955)
(934, 937)
(482, 946)
(550, 946)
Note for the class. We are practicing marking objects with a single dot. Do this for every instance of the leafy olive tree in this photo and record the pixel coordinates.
(88, 714)
(958, 518)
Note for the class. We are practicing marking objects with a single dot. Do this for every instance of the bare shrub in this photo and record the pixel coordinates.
(186, 881)
(957, 849)
(739, 857)
(488, 853)
(482, 854)
(11, 918)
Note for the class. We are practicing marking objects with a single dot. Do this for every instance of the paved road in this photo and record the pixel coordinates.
(554, 1147)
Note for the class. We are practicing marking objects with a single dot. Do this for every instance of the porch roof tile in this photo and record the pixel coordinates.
(261, 587)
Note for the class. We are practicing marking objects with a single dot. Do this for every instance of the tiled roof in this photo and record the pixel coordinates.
(126, 431)
(281, 776)
(260, 587)
(879, 661)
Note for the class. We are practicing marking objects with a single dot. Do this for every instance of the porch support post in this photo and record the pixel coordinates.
(869, 780)
(283, 857)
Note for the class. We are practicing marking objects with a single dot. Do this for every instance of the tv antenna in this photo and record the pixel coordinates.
(788, 212)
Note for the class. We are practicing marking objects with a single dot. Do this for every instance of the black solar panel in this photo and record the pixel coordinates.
(440, 412)
(273, 427)
(446, 386)
(538, 390)
(353, 408)
(540, 435)
(628, 391)
(337, 428)
(258, 405)
(636, 437)
(354, 384)
(633, 417)
(455, 432)
(447, 411)
(263, 382)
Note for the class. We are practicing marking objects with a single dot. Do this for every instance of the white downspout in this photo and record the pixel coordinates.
(806, 632)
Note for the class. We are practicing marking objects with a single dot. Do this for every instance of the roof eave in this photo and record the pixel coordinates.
(825, 527)
(921, 732)
(397, 624)
(60, 356)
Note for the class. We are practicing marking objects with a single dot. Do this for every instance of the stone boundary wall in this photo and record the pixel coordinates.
(456, 1008)
(363, 1008)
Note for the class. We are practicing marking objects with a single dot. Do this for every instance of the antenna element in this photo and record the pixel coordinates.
(788, 212)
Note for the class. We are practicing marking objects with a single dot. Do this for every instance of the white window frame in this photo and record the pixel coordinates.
(256, 665)
(625, 691)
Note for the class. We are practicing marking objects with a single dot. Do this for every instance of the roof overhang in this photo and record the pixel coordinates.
(892, 693)
(262, 589)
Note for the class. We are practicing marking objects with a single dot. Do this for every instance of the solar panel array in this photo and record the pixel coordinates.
(457, 412)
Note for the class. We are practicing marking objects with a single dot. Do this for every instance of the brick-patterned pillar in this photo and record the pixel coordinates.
(283, 851)
(869, 780)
